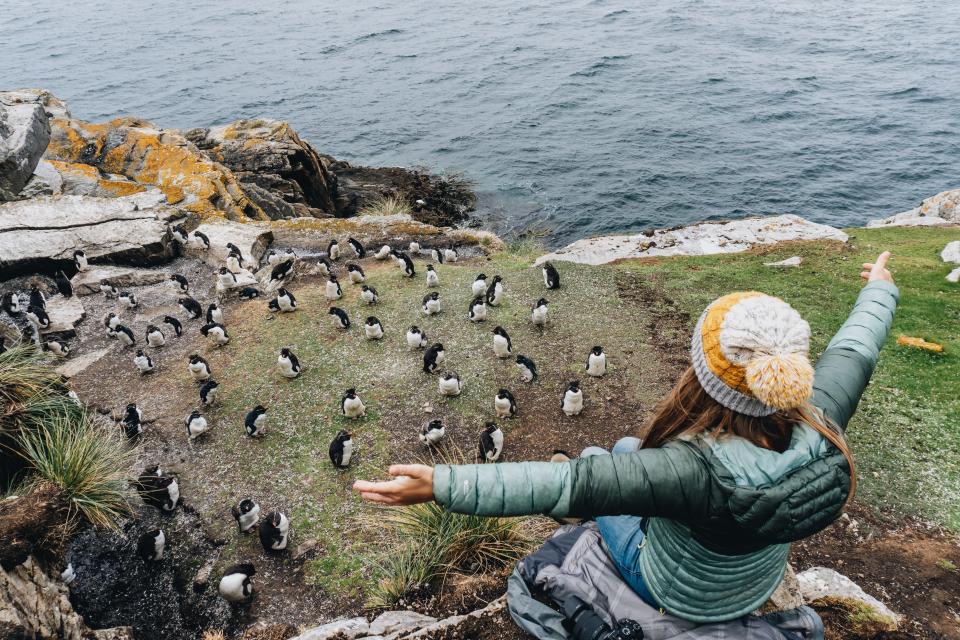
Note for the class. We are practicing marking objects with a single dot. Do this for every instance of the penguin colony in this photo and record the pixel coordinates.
(162, 490)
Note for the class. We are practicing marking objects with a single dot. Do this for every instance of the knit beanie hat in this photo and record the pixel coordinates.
(750, 354)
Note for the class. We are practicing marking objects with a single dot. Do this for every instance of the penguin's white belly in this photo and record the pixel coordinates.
(572, 403)
(218, 336)
(479, 287)
(479, 313)
(432, 436)
(546, 279)
(356, 277)
(383, 253)
(156, 340)
(286, 304)
(333, 291)
(173, 491)
(525, 374)
(233, 264)
(197, 427)
(431, 307)
(368, 297)
(374, 332)
(450, 255)
(502, 406)
(414, 341)
(158, 545)
(451, 387)
(199, 372)
(433, 280)
(286, 368)
(353, 408)
(247, 520)
(231, 587)
(597, 366)
(501, 348)
(497, 295)
(347, 452)
(539, 316)
(144, 364)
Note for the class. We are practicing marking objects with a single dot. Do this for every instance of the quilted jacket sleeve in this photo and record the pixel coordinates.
(844, 369)
(669, 481)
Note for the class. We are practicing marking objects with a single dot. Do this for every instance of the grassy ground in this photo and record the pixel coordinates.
(906, 436)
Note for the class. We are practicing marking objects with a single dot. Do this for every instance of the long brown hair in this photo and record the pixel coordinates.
(688, 410)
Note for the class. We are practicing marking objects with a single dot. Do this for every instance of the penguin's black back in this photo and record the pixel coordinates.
(64, 286)
(173, 322)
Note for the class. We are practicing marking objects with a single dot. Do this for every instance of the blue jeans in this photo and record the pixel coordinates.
(622, 534)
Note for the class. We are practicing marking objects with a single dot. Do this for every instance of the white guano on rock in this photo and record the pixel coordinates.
(706, 238)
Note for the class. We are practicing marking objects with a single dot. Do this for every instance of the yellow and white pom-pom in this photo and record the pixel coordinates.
(782, 380)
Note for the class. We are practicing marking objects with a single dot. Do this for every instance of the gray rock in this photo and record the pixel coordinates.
(24, 136)
(819, 583)
(339, 629)
(43, 233)
(88, 282)
(394, 622)
(252, 238)
(954, 276)
(941, 209)
(706, 238)
(789, 262)
(462, 626)
(45, 181)
(951, 252)
(80, 363)
(787, 595)
(65, 314)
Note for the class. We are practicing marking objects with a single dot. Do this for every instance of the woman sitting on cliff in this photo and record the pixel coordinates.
(744, 456)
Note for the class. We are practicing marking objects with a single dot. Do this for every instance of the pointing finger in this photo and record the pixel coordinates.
(882, 259)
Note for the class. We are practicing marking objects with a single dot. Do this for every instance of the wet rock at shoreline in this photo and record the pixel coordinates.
(24, 134)
(41, 234)
(706, 238)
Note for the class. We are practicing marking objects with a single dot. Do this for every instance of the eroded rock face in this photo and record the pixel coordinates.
(41, 234)
(700, 239)
(941, 209)
(148, 156)
(252, 240)
(88, 282)
(283, 174)
(24, 135)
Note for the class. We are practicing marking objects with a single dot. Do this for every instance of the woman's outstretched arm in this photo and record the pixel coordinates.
(667, 481)
(844, 369)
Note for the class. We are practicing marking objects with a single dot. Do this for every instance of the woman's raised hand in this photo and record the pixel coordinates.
(411, 484)
(877, 270)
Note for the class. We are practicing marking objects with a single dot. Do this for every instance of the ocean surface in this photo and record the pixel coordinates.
(574, 118)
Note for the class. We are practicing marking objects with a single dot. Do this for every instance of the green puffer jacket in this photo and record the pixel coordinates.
(720, 513)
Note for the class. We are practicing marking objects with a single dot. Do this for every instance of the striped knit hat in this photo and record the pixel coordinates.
(750, 353)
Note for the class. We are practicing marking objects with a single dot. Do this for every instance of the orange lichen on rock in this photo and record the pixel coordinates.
(85, 179)
(919, 343)
(133, 148)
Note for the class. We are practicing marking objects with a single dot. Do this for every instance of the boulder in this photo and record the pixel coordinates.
(954, 276)
(951, 252)
(280, 172)
(65, 314)
(80, 363)
(820, 584)
(41, 234)
(45, 181)
(339, 629)
(24, 135)
(787, 594)
(396, 622)
(88, 282)
(143, 154)
(706, 238)
(941, 209)
(252, 239)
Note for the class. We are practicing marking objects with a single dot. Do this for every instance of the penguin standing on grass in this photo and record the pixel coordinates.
(505, 404)
(235, 586)
(551, 277)
(479, 286)
(432, 433)
(433, 279)
(351, 405)
(198, 368)
(414, 247)
(275, 532)
(246, 513)
(196, 425)
(572, 402)
(208, 392)
(288, 363)
(155, 337)
(450, 255)
(357, 248)
(431, 304)
(495, 292)
(286, 301)
(407, 265)
(538, 314)
(143, 362)
(339, 318)
(190, 307)
(491, 443)
(369, 295)
(372, 329)
(596, 362)
(436, 255)
(528, 370)
(216, 333)
(150, 545)
(214, 314)
(450, 384)
(502, 347)
(383, 253)
(341, 449)
(256, 421)
(324, 266)
(478, 310)
(355, 273)
(332, 289)
(416, 338)
(433, 358)
(333, 250)
(175, 324)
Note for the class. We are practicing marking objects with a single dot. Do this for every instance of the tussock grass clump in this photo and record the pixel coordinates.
(30, 392)
(387, 206)
(86, 461)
